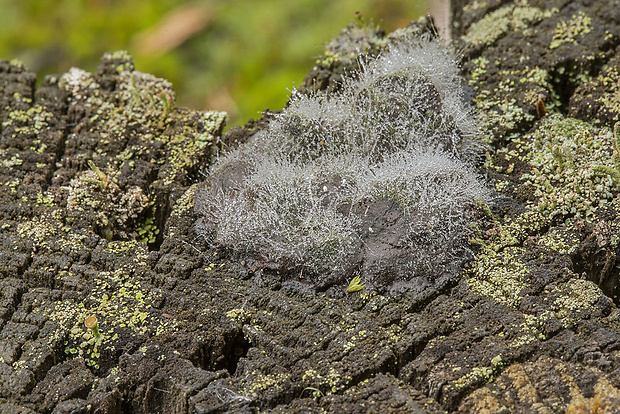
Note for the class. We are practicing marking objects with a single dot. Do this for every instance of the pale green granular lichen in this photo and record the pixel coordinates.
(499, 275)
(17, 64)
(561, 242)
(239, 315)
(607, 105)
(357, 38)
(23, 120)
(478, 374)
(212, 122)
(13, 161)
(480, 65)
(499, 109)
(261, 382)
(563, 152)
(508, 18)
(117, 301)
(121, 55)
(573, 298)
(184, 203)
(568, 31)
(475, 5)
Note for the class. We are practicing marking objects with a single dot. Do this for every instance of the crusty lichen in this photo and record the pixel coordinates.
(563, 154)
(133, 123)
(499, 275)
(508, 18)
(567, 31)
(572, 299)
(501, 108)
(357, 38)
(118, 211)
(598, 101)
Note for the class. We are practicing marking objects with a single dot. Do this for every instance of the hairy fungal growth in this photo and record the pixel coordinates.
(376, 181)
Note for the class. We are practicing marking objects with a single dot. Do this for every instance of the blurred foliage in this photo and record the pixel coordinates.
(233, 55)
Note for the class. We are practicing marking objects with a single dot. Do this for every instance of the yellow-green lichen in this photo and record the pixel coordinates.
(239, 315)
(501, 275)
(498, 108)
(357, 38)
(15, 160)
(499, 22)
(563, 154)
(477, 375)
(561, 242)
(331, 381)
(574, 298)
(118, 302)
(212, 122)
(610, 100)
(567, 31)
(262, 382)
(475, 5)
(23, 120)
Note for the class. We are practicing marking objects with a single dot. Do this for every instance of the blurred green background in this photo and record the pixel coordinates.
(238, 56)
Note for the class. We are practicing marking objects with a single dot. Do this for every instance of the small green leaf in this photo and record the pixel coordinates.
(355, 285)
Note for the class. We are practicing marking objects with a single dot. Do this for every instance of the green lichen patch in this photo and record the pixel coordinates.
(508, 18)
(115, 212)
(119, 301)
(359, 37)
(501, 276)
(575, 299)
(563, 154)
(560, 240)
(553, 170)
(31, 121)
(512, 103)
(516, 76)
(567, 31)
(598, 101)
